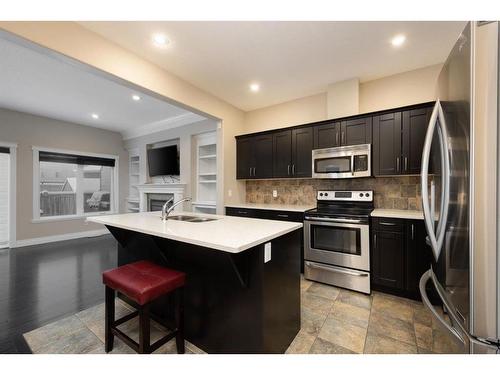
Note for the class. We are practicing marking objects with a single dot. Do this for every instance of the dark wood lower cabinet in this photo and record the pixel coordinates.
(399, 256)
(272, 215)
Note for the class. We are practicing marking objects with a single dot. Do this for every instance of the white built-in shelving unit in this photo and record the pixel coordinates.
(206, 173)
(134, 181)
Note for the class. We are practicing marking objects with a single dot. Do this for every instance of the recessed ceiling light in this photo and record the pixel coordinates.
(160, 40)
(254, 87)
(95, 116)
(398, 40)
(136, 97)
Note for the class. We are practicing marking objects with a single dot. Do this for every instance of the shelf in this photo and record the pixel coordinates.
(207, 174)
(133, 209)
(207, 182)
(204, 204)
(135, 174)
(211, 156)
(133, 200)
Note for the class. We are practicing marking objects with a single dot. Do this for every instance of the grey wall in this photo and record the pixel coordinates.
(27, 131)
(183, 137)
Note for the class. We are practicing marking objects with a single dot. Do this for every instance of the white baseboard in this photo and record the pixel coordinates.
(59, 237)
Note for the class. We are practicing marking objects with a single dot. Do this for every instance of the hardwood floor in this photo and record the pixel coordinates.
(44, 283)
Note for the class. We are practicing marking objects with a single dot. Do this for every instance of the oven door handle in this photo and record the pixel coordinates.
(336, 269)
(354, 221)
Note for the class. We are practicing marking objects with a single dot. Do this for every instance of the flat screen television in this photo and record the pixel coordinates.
(163, 161)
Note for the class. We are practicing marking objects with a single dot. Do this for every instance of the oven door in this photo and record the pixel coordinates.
(339, 242)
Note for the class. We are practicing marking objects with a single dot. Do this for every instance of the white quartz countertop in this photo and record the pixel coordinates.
(228, 233)
(398, 214)
(277, 207)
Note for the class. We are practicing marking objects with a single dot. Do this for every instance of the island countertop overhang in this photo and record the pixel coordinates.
(227, 233)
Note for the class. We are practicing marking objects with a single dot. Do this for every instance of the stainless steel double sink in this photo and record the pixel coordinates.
(190, 219)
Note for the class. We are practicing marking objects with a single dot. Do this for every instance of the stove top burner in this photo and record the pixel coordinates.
(343, 204)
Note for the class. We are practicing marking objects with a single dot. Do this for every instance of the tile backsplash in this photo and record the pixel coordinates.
(402, 192)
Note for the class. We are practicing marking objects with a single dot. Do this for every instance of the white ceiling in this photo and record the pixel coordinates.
(38, 83)
(289, 59)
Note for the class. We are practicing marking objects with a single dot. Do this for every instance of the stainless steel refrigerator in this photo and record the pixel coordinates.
(447, 183)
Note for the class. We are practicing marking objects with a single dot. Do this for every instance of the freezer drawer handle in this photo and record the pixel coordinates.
(335, 269)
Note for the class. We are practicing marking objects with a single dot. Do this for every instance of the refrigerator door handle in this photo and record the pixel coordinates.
(492, 344)
(436, 236)
(425, 299)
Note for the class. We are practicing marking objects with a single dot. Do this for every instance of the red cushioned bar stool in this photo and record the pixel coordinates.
(143, 282)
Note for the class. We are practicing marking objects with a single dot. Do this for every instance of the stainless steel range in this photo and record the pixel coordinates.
(337, 239)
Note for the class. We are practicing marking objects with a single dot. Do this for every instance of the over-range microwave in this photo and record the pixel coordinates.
(342, 162)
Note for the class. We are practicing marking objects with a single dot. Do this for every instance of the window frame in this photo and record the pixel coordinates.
(114, 199)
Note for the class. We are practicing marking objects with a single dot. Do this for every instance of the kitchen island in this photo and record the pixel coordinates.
(242, 292)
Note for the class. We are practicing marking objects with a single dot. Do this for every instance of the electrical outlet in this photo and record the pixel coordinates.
(275, 193)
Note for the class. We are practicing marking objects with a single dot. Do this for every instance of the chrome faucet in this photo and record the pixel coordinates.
(165, 211)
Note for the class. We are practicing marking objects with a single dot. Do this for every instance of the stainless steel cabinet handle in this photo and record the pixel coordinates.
(386, 223)
(254, 171)
(412, 232)
(397, 164)
(406, 164)
(375, 240)
(336, 269)
(337, 139)
(293, 169)
(243, 212)
(289, 169)
(250, 171)
(343, 137)
(282, 215)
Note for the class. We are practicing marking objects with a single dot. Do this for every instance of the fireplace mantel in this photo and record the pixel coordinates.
(177, 189)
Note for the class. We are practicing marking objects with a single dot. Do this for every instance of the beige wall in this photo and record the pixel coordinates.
(295, 112)
(343, 98)
(75, 41)
(416, 86)
(28, 131)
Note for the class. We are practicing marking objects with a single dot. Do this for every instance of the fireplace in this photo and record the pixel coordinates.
(156, 201)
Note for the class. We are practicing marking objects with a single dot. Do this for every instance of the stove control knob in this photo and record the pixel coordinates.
(360, 194)
(320, 194)
(367, 195)
(326, 194)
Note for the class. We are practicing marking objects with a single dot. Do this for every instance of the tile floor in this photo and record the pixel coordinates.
(334, 321)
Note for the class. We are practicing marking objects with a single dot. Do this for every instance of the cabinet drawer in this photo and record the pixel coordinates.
(244, 212)
(387, 224)
(284, 215)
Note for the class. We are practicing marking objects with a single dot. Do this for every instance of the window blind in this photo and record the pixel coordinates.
(75, 159)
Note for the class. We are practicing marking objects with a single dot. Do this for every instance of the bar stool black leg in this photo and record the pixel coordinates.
(144, 332)
(109, 319)
(179, 320)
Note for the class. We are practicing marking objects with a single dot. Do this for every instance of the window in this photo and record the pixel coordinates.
(69, 185)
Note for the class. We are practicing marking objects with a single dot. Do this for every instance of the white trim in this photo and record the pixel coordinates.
(72, 217)
(115, 183)
(60, 237)
(169, 123)
(12, 190)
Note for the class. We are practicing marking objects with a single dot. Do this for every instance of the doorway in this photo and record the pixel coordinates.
(4, 196)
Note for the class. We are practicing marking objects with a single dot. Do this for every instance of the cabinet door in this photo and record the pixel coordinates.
(387, 144)
(355, 132)
(327, 135)
(244, 158)
(388, 259)
(302, 144)
(282, 154)
(263, 156)
(415, 124)
(418, 255)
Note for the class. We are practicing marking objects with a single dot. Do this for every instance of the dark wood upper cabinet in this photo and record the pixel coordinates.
(263, 154)
(302, 144)
(387, 144)
(254, 155)
(415, 123)
(327, 135)
(282, 152)
(244, 158)
(356, 132)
